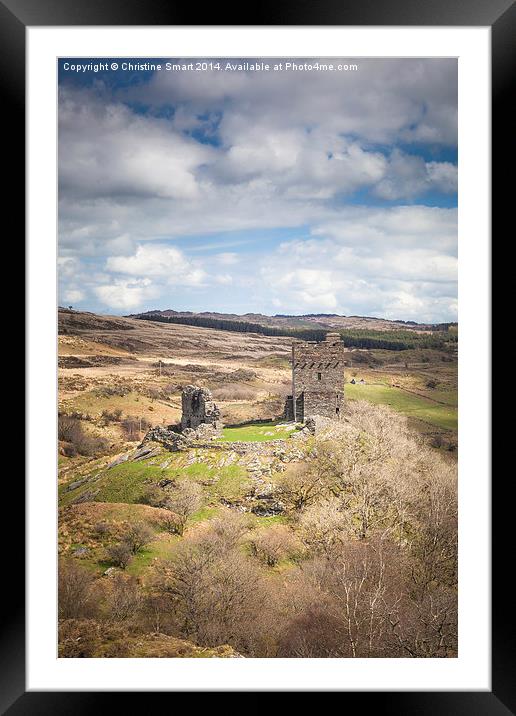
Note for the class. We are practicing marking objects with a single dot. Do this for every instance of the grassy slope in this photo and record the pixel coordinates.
(129, 481)
(410, 404)
(257, 432)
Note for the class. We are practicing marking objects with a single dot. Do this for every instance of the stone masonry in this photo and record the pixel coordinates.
(198, 408)
(317, 379)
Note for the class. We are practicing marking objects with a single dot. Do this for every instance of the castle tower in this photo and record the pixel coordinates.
(198, 408)
(317, 379)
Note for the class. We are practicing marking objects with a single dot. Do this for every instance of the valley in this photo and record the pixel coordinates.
(253, 506)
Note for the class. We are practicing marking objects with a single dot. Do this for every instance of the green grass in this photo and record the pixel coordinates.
(205, 513)
(232, 483)
(123, 483)
(256, 521)
(414, 406)
(158, 549)
(442, 396)
(256, 432)
(129, 481)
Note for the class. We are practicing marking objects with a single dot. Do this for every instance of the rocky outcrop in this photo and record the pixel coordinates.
(315, 424)
(204, 431)
(167, 436)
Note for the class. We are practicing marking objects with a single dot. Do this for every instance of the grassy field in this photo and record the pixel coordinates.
(129, 481)
(257, 432)
(415, 406)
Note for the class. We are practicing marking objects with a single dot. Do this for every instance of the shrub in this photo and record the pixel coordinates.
(75, 588)
(133, 427)
(234, 391)
(138, 536)
(274, 544)
(70, 430)
(120, 554)
(107, 391)
(184, 500)
(324, 527)
(301, 485)
(111, 416)
(102, 528)
(125, 598)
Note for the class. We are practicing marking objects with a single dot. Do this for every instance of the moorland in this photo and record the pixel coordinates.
(340, 543)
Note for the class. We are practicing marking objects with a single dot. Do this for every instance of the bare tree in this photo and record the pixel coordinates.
(138, 535)
(301, 485)
(125, 598)
(75, 591)
(119, 554)
(324, 526)
(185, 499)
(274, 544)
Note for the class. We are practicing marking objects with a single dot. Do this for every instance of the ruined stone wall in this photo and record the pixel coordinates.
(288, 413)
(265, 447)
(198, 408)
(318, 378)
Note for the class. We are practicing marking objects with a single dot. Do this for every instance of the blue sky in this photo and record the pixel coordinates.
(272, 192)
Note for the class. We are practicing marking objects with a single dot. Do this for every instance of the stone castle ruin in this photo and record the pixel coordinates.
(317, 380)
(198, 408)
(200, 420)
(317, 392)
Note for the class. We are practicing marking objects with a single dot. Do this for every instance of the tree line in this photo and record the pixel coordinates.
(396, 340)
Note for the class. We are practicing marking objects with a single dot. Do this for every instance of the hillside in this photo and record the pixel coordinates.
(174, 553)
(304, 321)
(110, 363)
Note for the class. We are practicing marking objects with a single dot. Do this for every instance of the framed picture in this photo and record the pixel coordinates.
(253, 245)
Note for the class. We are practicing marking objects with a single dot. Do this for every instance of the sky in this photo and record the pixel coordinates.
(269, 191)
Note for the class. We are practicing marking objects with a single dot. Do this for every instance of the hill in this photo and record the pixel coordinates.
(174, 553)
(323, 321)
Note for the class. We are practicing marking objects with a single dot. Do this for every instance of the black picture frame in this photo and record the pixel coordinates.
(500, 15)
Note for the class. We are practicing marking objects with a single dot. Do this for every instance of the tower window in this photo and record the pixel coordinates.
(318, 376)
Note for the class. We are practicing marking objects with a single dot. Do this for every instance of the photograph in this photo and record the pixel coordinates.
(258, 341)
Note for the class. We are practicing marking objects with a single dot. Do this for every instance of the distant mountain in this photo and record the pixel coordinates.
(319, 321)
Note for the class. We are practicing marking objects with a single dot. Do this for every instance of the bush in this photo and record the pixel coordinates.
(185, 499)
(234, 391)
(138, 536)
(274, 544)
(108, 391)
(75, 588)
(71, 431)
(102, 528)
(113, 416)
(87, 638)
(133, 426)
(120, 554)
(125, 598)
(152, 393)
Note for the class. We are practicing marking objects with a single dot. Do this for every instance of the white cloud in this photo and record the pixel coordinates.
(107, 150)
(413, 99)
(124, 295)
(281, 150)
(159, 261)
(398, 263)
(74, 295)
(408, 176)
(227, 258)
